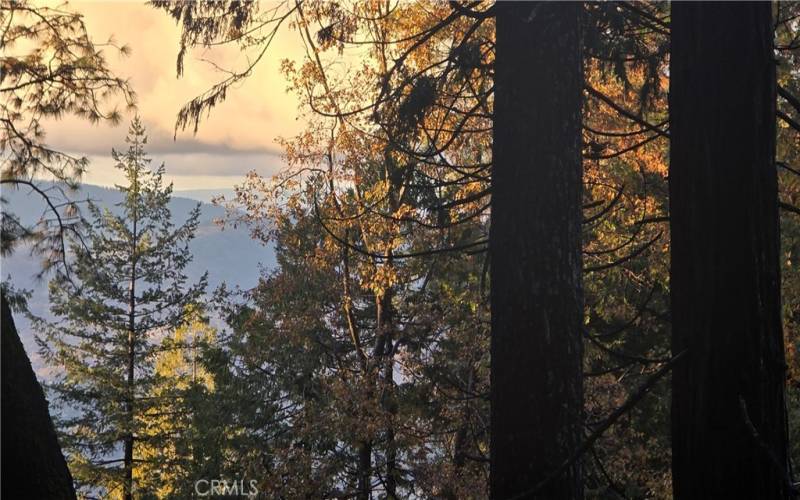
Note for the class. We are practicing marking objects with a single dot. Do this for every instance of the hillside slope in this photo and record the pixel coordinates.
(229, 255)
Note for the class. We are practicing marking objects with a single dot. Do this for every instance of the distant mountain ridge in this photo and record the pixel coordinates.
(206, 195)
(230, 255)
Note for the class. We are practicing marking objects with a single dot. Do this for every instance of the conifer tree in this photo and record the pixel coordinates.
(127, 289)
(535, 253)
(729, 429)
(50, 67)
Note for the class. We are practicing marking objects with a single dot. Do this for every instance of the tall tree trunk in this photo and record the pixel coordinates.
(384, 358)
(128, 444)
(131, 368)
(363, 447)
(33, 466)
(364, 471)
(729, 437)
(460, 446)
(535, 252)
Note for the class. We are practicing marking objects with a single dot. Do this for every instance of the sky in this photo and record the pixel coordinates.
(240, 134)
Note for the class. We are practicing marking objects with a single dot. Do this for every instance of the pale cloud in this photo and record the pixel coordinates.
(239, 133)
(192, 170)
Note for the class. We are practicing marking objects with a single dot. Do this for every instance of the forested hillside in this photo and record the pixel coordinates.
(518, 250)
(229, 255)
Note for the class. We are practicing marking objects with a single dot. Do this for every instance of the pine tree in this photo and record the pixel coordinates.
(127, 289)
(50, 67)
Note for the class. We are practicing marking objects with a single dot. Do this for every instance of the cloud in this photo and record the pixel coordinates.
(239, 132)
(193, 170)
(76, 136)
(222, 165)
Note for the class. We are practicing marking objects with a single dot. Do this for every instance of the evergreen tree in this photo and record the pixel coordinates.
(50, 67)
(729, 433)
(535, 253)
(127, 289)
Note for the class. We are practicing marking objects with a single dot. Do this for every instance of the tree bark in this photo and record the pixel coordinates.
(131, 368)
(729, 437)
(364, 471)
(33, 465)
(535, 252)
(384, 357)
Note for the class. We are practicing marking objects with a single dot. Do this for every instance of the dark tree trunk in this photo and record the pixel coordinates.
(128, 444)
(33, 466)
(364, 471)
(460, 445)
(387, 388)
(535, 252)
(726, 305)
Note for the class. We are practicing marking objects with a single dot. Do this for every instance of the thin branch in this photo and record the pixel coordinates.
(632, 401)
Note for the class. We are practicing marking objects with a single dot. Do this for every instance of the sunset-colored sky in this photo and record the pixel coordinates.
(239, 135)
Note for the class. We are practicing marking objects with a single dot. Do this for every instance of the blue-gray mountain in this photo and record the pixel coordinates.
(229, 255)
